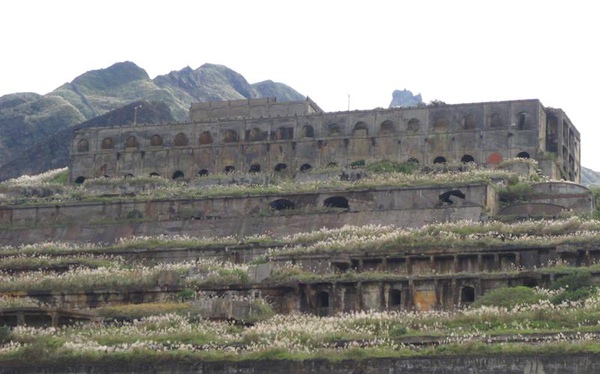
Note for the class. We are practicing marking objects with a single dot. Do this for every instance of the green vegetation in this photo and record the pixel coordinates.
(386, 166)
(509, 297)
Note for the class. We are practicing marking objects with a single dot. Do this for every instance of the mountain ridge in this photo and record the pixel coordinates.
(28, 120)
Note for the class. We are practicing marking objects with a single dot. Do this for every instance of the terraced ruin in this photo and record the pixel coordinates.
(380, 263)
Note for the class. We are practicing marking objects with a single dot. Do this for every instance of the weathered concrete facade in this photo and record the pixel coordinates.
(291, 137)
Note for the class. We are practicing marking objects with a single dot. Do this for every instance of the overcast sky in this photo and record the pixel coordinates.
(455, 51)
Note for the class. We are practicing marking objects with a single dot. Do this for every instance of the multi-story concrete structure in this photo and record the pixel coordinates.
(290, 137)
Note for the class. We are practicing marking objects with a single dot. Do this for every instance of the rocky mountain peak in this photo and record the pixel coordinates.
(405, 98)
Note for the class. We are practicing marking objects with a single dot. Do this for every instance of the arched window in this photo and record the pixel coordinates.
(467, 158)
(439, 160)
(467, 295)
(468, 122)
(308, 132)
(395, 298)
(386, 127)
(413, 160)
(254, 168)
(304, 168)
(80, 180)
(83, 146)
(203, 172)
(284, 133)
(360, 129)
(128, 176)
(496, 120)
(107, 143)
(154, 174)
(230, 136)
(336, 202)
(206, 138)
(440, 124)
(449, 197)
(523, 155)
(256, 135)
(229, 169)
(280, 167)
(131, 142)
(180, 140)
(178, 175)
(156, 140)
(413, 125)
(282, 204)
(523, 121)
(333, 129)
(332, 165)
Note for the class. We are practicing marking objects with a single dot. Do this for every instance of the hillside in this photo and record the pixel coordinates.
(589, 177)
(33, 127)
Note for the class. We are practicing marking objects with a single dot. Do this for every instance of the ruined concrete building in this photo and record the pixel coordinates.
(291, 137)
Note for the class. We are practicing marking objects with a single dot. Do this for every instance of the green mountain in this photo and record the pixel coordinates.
(35, 129)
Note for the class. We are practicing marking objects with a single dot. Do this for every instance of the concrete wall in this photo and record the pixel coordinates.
(243, 215)
(447, 364)
(485, 132)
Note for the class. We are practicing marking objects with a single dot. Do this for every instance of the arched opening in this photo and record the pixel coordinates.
(523, 121)
(107, 143)
(449, 197)
(131, 142)
(154, 174)
(523, 155)
(439, 160)
(256, 135)
(230, 136)
(360, 129)
(468, 122)
(304, 168)
(156, 140)
(79, 180)
(496, 120)
(494, 158)
(282, 204)
(322, 303)
(308, 132)
(128, 176)
(466, 159)
(336, 202)
(467, 295)
(280, 167)
(386, 127)
(203, 173)
(284, 133)
(395, 298)
(254, 168)
(333, 129)
(206, 138)
(229, 169)
(440, 124)
(83, 146)
(180, 140)
(413, 125)
(332, 165)
(413, 160)
(178, 175)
